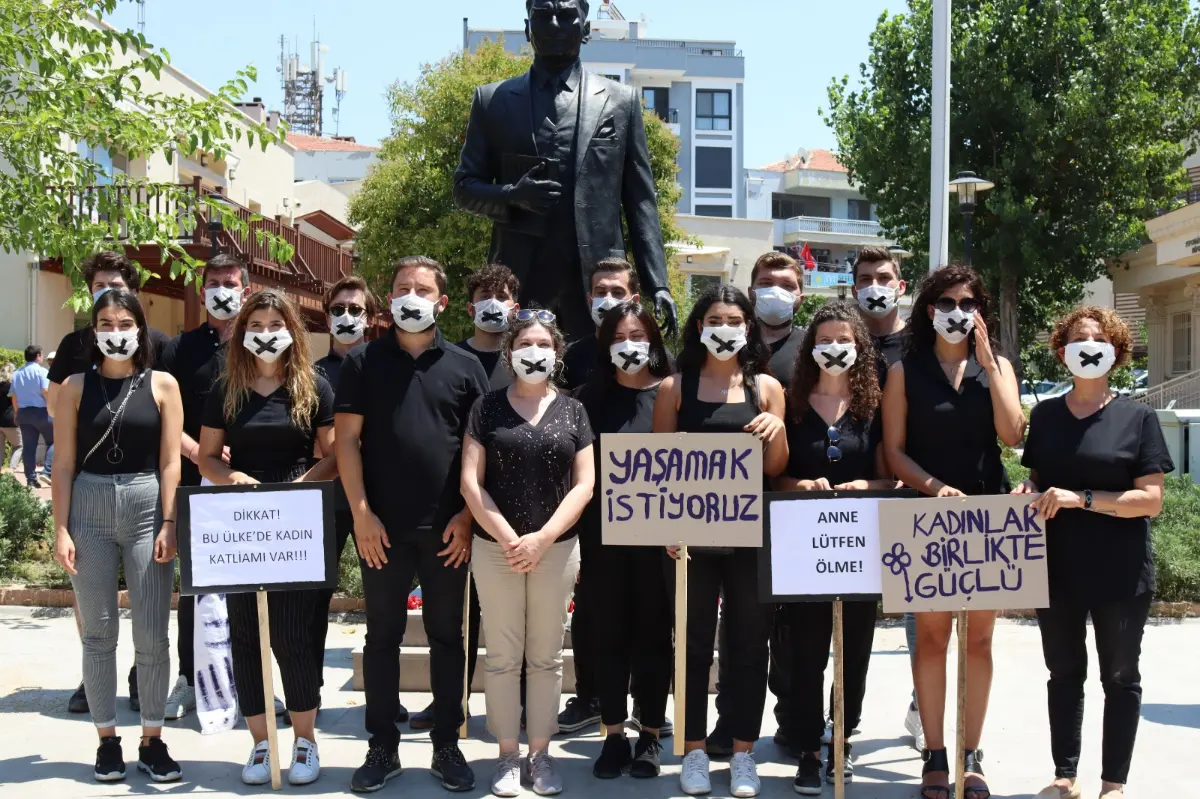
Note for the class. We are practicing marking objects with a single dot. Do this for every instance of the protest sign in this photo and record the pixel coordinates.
(698, 489)
(238, 539)
(962, 553)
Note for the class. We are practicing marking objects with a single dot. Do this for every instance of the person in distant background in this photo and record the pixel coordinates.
(9, 432)
(30, 389)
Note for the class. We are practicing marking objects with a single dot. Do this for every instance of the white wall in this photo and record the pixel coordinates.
(313, 195)
(333, 166)
(746, 239)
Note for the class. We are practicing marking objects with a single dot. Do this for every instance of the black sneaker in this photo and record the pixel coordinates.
(635, 721)
(580, 713)
(451, 768)
(135, 703)
(401, 714)
(110, 761)
(78, 701)
(647, 757)
(155, 760)
(379, 767)
(422, 720)
(720, 743)
(847, 767)
(808, 776)
(614, 758)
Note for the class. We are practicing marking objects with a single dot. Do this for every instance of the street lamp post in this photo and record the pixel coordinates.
(967, 185)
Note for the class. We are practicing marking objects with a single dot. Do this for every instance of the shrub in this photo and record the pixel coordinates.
(1177, 542)
(24, 521)
(15, 357)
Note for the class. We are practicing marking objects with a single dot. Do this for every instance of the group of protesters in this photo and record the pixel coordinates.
(478, 461)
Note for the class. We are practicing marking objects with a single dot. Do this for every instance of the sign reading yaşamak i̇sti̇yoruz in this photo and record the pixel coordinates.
(962, 553)
(701, 489)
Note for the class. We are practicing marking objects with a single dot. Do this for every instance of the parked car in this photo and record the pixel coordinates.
(1141, 383)
(1043, 389)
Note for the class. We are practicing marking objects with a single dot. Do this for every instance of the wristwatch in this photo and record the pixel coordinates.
(1087, 499)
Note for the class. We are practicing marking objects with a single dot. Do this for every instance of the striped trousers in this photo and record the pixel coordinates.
(113, 522)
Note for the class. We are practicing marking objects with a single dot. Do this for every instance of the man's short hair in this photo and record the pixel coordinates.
(584, 7)
(614, 266)
(352, 283)
(32, 352)
(493, 278)
(110, 261)
(421, 262)
(226, 261)
(874, 255)
(776, 260)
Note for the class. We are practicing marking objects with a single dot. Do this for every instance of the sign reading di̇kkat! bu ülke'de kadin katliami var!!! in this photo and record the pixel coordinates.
(698, 489)
(962, 553)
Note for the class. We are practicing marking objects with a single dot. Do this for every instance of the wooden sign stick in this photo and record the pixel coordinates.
(839, 705)
(680, 648)
(264, 651)
(961, 725)
(466, 628)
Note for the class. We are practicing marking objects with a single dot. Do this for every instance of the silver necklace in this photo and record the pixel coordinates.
(115, 454)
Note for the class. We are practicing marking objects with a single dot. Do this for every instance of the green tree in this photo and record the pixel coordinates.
(66, 81)
(1080, 111)
(406, 205)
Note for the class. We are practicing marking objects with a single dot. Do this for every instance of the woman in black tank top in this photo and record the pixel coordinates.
(723, 387)
(944, 405)
(116, 469)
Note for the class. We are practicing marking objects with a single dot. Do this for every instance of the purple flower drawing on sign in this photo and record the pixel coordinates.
(898, 560)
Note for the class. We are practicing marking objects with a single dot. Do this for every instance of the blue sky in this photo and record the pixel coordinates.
(792, 47)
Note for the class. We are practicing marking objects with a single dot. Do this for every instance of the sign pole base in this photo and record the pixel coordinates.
(680, 648)
(264, 651)
(466, 628)
(961, 725)
(839, 705)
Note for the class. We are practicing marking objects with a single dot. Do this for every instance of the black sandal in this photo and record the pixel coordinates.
(971, 765)
(935, 760)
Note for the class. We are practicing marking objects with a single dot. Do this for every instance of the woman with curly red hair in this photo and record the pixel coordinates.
(1098, 460)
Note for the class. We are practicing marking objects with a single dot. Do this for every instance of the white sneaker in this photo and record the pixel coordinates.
(257, 770)
(306, 762)
(694, 779)
(827, 735)
(912, 723)
(743, 775)
(181, 700)
(507, 779)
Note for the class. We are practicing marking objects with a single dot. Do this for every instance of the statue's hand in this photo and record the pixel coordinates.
(532, 194)
(664, 308)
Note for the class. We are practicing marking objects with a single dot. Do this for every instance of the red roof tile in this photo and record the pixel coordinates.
(820, 160)
(302, 141)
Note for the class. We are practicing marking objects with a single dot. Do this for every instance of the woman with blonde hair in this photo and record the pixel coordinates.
(271, 408)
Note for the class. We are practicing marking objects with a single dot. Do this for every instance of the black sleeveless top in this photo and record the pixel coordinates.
(137, 435)
(697, 416)
(952, 434)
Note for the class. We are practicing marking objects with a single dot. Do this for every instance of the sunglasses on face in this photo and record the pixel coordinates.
(833, 437)
(966, 304)
(341, 309)
(540, 314)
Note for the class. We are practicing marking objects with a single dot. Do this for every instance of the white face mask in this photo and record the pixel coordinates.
(119, 346)
(774, 305)
(954, 326)
(723, 342)
(347, 329)
(601, 306)
(222, 303)
(877, 301)
(267, 346)
(412, 313)
(835, 358)
(533, 364)
(1089, 359)
(630, 357)
(491, 315)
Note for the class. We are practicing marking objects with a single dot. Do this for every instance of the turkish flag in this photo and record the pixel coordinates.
(806, 256)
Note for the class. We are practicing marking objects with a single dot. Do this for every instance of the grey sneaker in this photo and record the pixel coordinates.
(507, 779)
(538, 770)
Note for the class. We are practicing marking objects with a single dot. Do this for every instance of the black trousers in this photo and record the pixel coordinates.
(343, 523)
(811, 628)
(626, 589)
(779, 668)
(583, 637)
(386, 590)
(290, 621)
(731, 579)
(1118, 627)
(184, 643)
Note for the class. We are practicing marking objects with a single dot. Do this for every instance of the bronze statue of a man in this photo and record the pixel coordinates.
(551, 157)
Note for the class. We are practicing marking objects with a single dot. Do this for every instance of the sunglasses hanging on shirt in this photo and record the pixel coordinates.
(833, 437)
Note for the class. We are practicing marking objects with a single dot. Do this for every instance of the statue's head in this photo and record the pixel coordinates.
(557, 29)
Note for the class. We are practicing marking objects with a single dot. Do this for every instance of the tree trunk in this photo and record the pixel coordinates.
(1010, 331)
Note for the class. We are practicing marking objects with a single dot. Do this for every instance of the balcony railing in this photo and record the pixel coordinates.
(690, 47)
(827, 275)
(107, 203)
(820, 224)
(1179, 392)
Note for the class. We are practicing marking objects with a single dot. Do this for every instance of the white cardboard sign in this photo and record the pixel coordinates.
(824, 548)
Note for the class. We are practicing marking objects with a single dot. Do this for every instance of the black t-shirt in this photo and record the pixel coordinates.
(195, 359)
(808, 445)
(7, 417)
(579, 361)
(891, 350)
(137, 438)
(1093, 557)
(331, 367)
(75, 351)
(498, 374)
(528, 469)
(414, 413)
(783, 356)
(262, 439)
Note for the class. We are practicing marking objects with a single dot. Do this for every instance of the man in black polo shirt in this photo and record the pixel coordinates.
(777, 289)
(101, 272)
(401, 409)
(195, 358)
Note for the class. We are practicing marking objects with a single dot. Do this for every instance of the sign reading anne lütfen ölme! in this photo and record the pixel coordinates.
(701, 489)
(962, 553)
